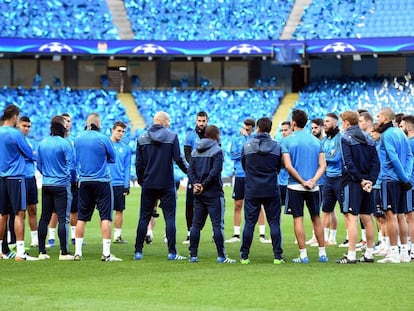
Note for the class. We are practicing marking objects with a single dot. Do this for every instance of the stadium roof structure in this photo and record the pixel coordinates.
(254, 48)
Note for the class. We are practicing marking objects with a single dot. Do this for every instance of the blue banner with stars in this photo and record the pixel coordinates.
(202, 48)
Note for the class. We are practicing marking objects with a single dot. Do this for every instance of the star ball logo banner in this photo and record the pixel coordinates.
(200, 48)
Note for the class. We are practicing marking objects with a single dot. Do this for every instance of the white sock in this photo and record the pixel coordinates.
(363, 235)
(325, 234)
(322, 251)
(313, 235)
(1, 246)
(404, 249)
(387, 243)
(35, 239)
(73, 231)
(351, 255)
(262, 229)
(237, 230)
(117, 233)
(347, 236)
(8, 236)
(303, 253)
(106, 247)
(78, 246)
(395, 252)
(380, 236)
(20, 248)
(332, 235)
(368, 253)
(149, 232)
(52, 233)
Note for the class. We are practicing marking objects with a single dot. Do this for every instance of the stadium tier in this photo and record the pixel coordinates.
(43, 104)
(322, 97)
(75, 19)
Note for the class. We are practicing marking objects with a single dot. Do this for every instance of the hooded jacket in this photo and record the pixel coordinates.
(156, 150)
(261, 160)
(360, 158)
(206, 164)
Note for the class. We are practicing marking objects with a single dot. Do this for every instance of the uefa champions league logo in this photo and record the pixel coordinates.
(244, 49)
(339, 47)
(150, 48)
(56, 47)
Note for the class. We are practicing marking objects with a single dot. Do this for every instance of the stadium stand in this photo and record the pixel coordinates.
(208, 20)
(55, 19)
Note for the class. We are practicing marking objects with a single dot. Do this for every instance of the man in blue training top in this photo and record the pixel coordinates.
(120, 175)
(204, 175)
(332, 188)
(262, 160)
(304, 159)
(157, 148)
(24, 125)
(14, 150)
(94, 151)
(191, 139)
(395, 176)
(55, 161)
(236, 147)
(407, 125)
(360, 171)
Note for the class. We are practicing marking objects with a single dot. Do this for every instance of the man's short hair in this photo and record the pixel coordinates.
(351, 116)
(367, 116)
(202, 114)
(212, 132)
(65, 114)
(300, 117)
(408, 119)
(285, 123)
(317, 121)
(119, 123)
(249, 122)
(10, 111)
(24, 119)
(264, 125)
(398, 117)
(332, 115)
(376, 127)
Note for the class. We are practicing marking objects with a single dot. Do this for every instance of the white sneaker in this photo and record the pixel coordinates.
(311, 241)
(405, 258)
(110, 257)
(264, 240)
(67, 256)
(25, 257)
(330, 242)
(233, 239)
(316, 244)
(43, 256)
(344, 244)
(390, 259)
(187, 240)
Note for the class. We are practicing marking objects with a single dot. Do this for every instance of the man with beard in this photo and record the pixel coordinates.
(14, 149)
(332, 189)
(191, 139)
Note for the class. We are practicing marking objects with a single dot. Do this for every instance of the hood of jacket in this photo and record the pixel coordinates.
(205, 144)
(356, 133)
(261, 143)
(158, 134)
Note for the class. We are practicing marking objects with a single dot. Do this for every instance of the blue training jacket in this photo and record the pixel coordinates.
(261, 160)
(236, 147)
(360, 158)
(398, 163)
(13, 151)
(156, 150)
(121, 169)
(206, 165)
(93, 153)
(55, 161)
